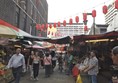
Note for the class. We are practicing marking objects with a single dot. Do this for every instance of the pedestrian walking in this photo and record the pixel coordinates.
(30, 64)
(36, 61)
(54, 59)
(17, 63)
(60, 62)
(48, 64)
(70, 64)
(66, 58)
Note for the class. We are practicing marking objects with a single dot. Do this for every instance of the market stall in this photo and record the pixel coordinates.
(5, 74)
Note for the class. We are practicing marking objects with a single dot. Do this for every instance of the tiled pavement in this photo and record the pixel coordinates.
(56, 77)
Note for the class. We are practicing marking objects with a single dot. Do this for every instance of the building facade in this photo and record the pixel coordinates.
(112, 12)
(114, 24)
(68, 30)
(24, 14)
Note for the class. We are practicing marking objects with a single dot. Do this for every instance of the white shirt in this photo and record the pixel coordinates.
(16, 61)
(93, 62)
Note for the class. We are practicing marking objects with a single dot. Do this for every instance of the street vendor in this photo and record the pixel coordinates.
(115, 61)
(115, 55)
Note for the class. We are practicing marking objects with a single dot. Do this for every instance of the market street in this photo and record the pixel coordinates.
(55, 77)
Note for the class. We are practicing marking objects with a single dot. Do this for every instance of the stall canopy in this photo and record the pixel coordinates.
(63, 40)
(108, 35)
(35, 38)
(4, 41)
(9, 31)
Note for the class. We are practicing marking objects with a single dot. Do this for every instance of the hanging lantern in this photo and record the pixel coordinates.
(70, 21)
(42, 26)
(105, 9)
(50, 25)
(45, 30)
(39, 35)
(84, 16)
(59, 24)
(38, 26)
(94, 13)
(55, 34)
(116, 4)
(52, 33)
(77, 19)
(48, 32)
(85, 28)
(46, 26)
(55, 25)
(64, 23)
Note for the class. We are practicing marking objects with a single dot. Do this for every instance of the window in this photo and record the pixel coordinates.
(17, 1)
(32, 10)
(23, 4)
(17, 16)
(103, 30)
(30, 29)
(24, 23)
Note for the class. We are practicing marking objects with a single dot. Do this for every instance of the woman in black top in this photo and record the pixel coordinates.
(30, 62)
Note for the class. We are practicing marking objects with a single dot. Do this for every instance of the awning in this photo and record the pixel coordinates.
(9, 31)
(109, 35)
(4, 41)
(62, 40)
(34, 46)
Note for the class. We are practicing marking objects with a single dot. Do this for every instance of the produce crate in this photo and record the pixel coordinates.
(8, 75)
(2, 79)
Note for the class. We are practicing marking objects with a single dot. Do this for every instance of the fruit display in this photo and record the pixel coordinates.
(2, 53)
(5, 74)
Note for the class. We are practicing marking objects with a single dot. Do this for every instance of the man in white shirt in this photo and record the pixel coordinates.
(17, 63)
(93, 67)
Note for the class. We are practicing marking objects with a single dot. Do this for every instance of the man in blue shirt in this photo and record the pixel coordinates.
(17, 63)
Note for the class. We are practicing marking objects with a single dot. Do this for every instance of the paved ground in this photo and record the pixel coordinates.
(56, 77)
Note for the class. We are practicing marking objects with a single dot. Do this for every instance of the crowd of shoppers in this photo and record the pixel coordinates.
(91, 67)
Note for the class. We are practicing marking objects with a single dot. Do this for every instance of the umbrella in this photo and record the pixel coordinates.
(34, 46)
(37, 46)
(7, 32)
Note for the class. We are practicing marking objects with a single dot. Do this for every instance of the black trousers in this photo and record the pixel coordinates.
(35, 70)
(42, 63)
(47, 70)
(17, 73)
(53, 64)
